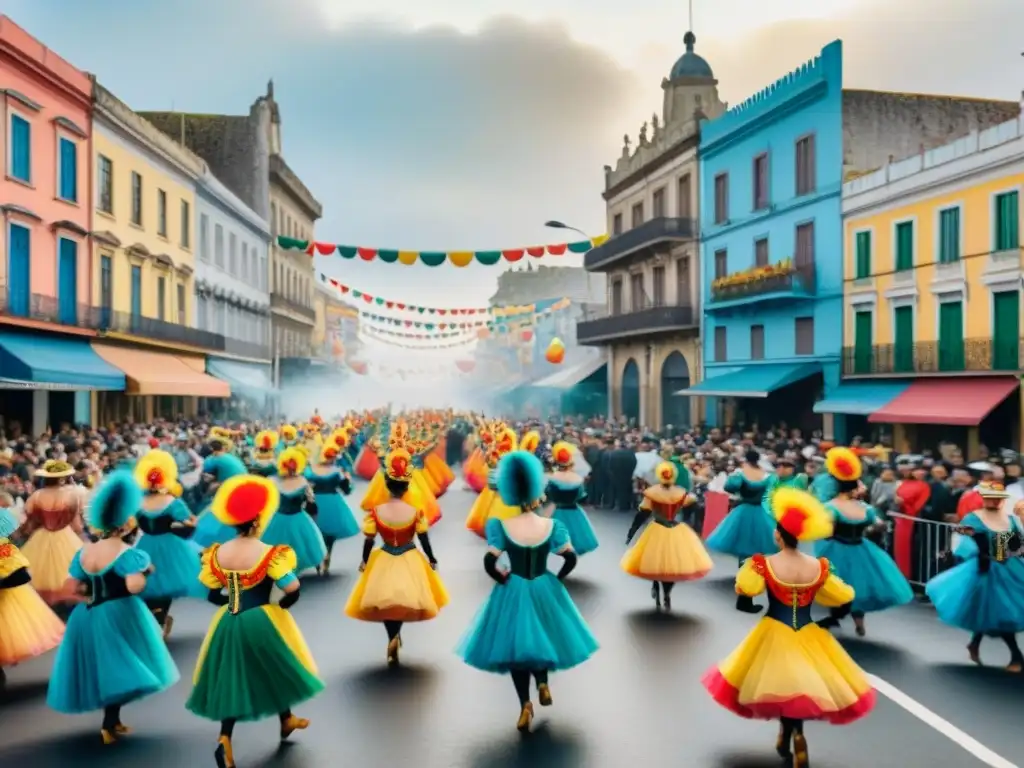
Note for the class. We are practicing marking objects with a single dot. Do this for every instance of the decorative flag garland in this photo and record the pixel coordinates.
(444, 345)
(505, 325)
(362, 368)
(437, 258)
(511, 309)
(380, 333)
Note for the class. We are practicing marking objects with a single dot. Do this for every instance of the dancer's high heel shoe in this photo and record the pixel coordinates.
(291, 724)
(783, 742)
(974, 652)
(224, 755)
(108, 736)
(800, 756)
(656, 594)
(525, 717)
(544, 695)
(394, 644)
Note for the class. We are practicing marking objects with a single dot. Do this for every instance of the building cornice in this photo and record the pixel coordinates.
(287, 179)
(45, 65)
(687, 144)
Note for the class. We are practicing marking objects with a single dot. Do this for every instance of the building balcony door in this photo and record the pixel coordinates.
(675, 375)
(630, 402)
(67, 282)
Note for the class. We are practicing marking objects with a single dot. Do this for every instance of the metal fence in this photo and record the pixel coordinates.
(931, 546)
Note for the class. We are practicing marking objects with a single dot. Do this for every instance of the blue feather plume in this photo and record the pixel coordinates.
(520, 479)
(115, 502)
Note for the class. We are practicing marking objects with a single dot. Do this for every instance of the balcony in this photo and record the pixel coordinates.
(979, 356)
(255, 349)
(110, 320)
(637, 240)
(654, 320)
(279, 302)
(47, 309)
(773, 282)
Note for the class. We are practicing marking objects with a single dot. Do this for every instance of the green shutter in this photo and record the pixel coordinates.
(951, 336)
(863, 343)
(949, 236)
(1006, 331)
(904, 246)
(903, 354)
(1007, 222)
(863, 255)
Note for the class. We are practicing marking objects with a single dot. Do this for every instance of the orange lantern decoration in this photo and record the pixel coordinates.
(555, 352)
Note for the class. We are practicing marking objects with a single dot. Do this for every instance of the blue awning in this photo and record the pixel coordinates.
(569, 377)
(753, 380)
(41, 361)
(861, 398)
(253, 380)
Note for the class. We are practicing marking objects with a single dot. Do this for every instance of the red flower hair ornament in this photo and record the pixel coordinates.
(562, 454)
(398, 465)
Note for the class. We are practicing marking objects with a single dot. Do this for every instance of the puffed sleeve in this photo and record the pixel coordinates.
(560, 540)
(370, 524)
(750, 579)
(871, 514)
(834, 592)
(283, 563)
(131, 561)
(734, 483)
(207, 575)
(495, 534)
(581, 494)
(75, 569)
(965, 547)
(178, 511)
(422, 524)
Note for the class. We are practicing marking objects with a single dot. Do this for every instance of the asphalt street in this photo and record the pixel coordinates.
(638, 702)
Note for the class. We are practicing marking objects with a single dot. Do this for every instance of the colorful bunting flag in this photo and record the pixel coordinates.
(399, 306)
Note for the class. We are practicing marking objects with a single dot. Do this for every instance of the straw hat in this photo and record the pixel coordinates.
(54, 468)
(992, 491)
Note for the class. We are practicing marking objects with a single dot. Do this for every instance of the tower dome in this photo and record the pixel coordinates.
(690, 65)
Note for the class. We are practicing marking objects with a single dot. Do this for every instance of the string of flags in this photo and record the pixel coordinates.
(379, 336)
(499, 311)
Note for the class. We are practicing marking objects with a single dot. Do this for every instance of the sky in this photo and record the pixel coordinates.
(466, 124)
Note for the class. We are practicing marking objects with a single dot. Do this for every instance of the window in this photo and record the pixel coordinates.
(803, 259)
(863, 351)
(273, 219)
(20, 163)
(19, 270)
(658, 274)
(67, 281)
(761, 252)
(264, 276)
(721, 198)
(617, 224)
(757, 342)
(67, 183)
(1006, 330)
(904, 246)
(161, 213)
(218, 245)
(683, 195)
(106, 282)
(721, 263)
(161, 298)
(136, 199)
(721, 351)
(761, 195)
(1007, 222)
(232, 254)
(182, 304)
(636, 292)
(658, 203)
(949, 236)
(186, 224)
(245, 262)
(638, 215)
(804, 335)
(806, 166)
(683, 287)
(106, 185)
(903, 349)
(617, 297)
(204, 237)
(136, 291)
(862, 268)
(951, 336)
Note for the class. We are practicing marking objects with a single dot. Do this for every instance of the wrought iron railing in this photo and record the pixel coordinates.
(650, 318)
(649, 233)
(802, 279)
(47, 309)
(280, 301)
(932, 357)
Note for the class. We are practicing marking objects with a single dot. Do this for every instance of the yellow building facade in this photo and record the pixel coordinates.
(932, 286)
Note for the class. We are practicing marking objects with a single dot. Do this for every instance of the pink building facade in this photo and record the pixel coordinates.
(46, 191)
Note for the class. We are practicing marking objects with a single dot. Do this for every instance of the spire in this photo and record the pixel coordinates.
(270, 89)
(689, 40)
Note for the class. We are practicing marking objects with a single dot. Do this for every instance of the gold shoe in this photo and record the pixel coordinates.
(293, 724)
(544, 694)
(782, 743)
(168, 626)
(109, 737)
(121, 729)
(1015, 667)
(800, 757)
(525, 717)
(224, 755)
(393, 645)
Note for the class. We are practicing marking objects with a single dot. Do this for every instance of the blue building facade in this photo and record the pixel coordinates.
(771, 173)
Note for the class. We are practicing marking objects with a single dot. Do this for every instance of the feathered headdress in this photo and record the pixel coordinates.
(506, 442)
(562, 454)
(289, 433)
(266, 441)
(843, 464)
(245, 498)
(800, 514)
(291, 462)
(329, 452)
(340, 438)
(157, 472)
(530, 441)
(666, 472)
(399, 436)
(398, 465)
(115, 502)
(520, 480)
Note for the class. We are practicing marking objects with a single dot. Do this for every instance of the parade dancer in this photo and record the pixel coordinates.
(333, 516)
(293, 524)
(985, 594)
(218, 467)
(398, 583)
(264, 462)
(789, 668)
(167, 526)
(668, 551)
(254, 662)
(870, 572)
(529, 627)
(489, 504)
(565, 490)
(113, 652)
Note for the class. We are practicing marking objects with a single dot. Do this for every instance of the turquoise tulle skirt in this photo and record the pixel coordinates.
(112, 654)
(210, 530)
(990, 602)
(176, 565)
(334, 517)
(300, 533)
(527, 624)
(747, 530)
(874, 575)
(581, 532)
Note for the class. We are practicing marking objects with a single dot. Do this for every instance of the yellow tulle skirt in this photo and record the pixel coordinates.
(801, 674)
(397, 588)
(28, 628)
(430, 481)
(477, 516)
(49, 554)
(418, 496)
(427, 501)
(667, 554)
(436, 467)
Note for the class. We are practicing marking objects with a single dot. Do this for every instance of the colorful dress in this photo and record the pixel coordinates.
(747, 529)
(529, 622)
(53, 524)
(488, 506)
(333, 515)
(788, 666)
(873, 575)
(567, 498)
(28, 628)
(210, 530)
(397, 583)
(254, 662)
(175, 559)
(113, 651)
(668, 550)
(292, 526)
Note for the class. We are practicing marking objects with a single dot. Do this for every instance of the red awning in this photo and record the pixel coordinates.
(961, 402)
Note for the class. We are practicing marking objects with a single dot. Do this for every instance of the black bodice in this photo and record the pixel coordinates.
(847, 532)
(528, 562)
(246, 599)
(561, 497)
(292, 504)
(325, 483)
(796, 617)
(105, 587)
(155, 525)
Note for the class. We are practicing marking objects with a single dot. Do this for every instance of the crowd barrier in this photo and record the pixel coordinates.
(921, 548)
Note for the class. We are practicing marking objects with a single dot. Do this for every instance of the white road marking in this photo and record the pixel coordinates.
(940, 724)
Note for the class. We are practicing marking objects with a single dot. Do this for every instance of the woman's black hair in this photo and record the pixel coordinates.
(752, 457)
(244, 529)
(396, 488)
(788, 539)
(848, 486)
(216, 445)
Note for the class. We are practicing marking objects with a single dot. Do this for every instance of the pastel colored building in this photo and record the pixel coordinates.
(772, 171)
(932, 304)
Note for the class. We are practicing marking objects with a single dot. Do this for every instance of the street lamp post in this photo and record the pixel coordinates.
(554, 224)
